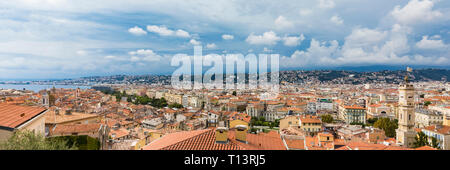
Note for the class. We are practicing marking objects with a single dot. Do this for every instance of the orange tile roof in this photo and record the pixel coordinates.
(273, 102)
(76, 128)
(375, 105)
(339, 141)
(370, 146)
(310, 119)
(443, 130)
(261, 141)
(12, 116)
(240, 116)
(295, 143)
(354, 107)
(172, 138)
(205, 140)
(119, 133)
(52, 118)
(312, 143)
(426, 148)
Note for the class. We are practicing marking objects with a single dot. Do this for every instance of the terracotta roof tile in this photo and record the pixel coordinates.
(76, 128)
(205, 140)
(442, 130)
(295, 143)
(12, 116)
(426, 148)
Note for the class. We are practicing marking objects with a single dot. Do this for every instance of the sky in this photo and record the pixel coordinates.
(53, 39)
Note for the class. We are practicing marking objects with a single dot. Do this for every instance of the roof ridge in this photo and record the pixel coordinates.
(206, 130)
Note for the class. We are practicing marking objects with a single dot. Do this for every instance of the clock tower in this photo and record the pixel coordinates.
(406, 117)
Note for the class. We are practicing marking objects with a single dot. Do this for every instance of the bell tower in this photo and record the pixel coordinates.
(406, 117)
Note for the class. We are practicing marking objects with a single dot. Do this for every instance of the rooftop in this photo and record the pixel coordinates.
(76, 128)
(205, 140)
(52, 118)
(12, 116)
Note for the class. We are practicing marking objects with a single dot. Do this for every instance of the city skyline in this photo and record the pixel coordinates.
(63, 39)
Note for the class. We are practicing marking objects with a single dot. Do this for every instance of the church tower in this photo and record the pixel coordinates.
(405, 132)
(45, 100)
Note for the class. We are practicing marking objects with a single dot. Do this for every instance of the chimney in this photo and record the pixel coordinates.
(221, 135)
(241, 133)
(68, 112)
(437, 127)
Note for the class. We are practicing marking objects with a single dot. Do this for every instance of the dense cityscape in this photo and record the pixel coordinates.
(399, 114)
(295, 77)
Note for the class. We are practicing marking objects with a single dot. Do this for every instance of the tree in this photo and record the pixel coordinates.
(426, 103)
(175, 105)
(420, 140)
(82, 142)
(327, 118)
(234, 93)
(357, 123)
(371, 121)
(27, 140)
(51, 99)
(262, 119)
(434, 142)
(271, 125)
(129, 99)
(387, 125)
(241, 108)
(276, 122)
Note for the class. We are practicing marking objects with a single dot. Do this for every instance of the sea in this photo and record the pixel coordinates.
(38, 87)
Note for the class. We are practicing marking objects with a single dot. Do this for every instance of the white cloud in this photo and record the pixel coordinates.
(268, 38)
(318, 53)
(134, 59)
(282, 23)
(293, 41)
(434, 43)
(326, 4)
(436, 37)
(137, 31)
(364, 37)
(144, 55)
(182, 33)
(337, 20)
(367, 46)
(41, 32)
(227, 37)
(142, 52)
(305, 12)
(164, 31)
(195, 42)
(267, 50)
(81, 52)
(211, 46)
(110, 57)
(161, 30)
(416, 11)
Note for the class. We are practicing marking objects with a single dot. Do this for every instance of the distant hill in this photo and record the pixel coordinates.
(382, 75)
(355, 77)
